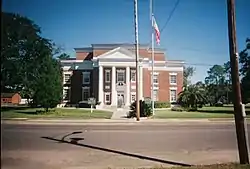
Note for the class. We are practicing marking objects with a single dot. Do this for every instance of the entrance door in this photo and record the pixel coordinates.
(120, 100)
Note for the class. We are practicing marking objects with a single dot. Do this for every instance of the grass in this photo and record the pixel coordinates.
(205, 112)
(216, 166)
(24, 112)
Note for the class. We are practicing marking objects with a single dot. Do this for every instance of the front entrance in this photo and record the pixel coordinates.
(120, 100)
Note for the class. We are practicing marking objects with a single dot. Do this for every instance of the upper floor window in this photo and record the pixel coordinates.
(120, 76)
(173, 78)
(85, 77)
(133, 75)
(155, 79)
(66, 77)
(107, 75)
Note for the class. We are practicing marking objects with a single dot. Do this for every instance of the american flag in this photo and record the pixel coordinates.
(157, 32)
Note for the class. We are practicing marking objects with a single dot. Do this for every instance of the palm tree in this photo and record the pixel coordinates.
(192, 96)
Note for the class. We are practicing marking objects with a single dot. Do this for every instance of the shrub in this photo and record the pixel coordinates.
(162, 104)
(218, 104)
(145, 110)
(177, 108)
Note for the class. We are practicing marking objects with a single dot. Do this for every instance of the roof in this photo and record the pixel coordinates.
(7, 95)
(115, 45)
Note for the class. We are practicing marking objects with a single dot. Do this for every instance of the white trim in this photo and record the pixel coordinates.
(105, 94)
(167, 68)
(155, 73)
(65, 68)
(105, 75)
(173, 73)
(119, 50)
(132, 93)
(170, 94)
(172, 88)
(155, 88)
(67, 72)
(86, 87)
(133, 71)
(71, 61)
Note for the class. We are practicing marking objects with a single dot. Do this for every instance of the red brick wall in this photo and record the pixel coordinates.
(164, 84)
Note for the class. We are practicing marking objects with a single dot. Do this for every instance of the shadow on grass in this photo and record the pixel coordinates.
(221, 111)
(14, 108)
(74, 141)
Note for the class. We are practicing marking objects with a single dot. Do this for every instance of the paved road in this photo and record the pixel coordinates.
(39, 146)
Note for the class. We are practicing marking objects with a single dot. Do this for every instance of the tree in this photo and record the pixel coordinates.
(25, 58)
(218, 84)
(48, 91)
(192, 96)
(63, 56)
(187, 74)
(244, 61)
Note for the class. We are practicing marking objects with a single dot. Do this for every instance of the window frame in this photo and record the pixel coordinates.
(83, 77)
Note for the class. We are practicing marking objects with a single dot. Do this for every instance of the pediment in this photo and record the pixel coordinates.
(117, 53)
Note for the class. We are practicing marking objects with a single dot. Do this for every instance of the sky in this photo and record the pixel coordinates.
(196, 33)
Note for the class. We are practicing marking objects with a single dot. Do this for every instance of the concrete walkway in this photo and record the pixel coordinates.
(120, 114)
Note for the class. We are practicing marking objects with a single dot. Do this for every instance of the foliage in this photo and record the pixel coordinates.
(245, 72)
(218, 84)
(63, 56)
(158, 104)
(145, 110)
(192, 96)
(187, 74)
(177, 108)
(27, 62)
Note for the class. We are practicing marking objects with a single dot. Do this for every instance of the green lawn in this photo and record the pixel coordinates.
(205, 112)
(21, 112)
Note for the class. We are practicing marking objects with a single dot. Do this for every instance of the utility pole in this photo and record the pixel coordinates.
(238, 110)
(137, 61)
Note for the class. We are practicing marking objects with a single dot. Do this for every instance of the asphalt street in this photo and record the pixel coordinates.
(116, 146)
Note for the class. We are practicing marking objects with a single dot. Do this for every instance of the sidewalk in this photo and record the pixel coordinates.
(143, 121)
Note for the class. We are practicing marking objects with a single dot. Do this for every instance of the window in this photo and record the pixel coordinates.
(133, 98)
(66, 93)
(66, 78)
(173, 95)
(107, 98)
(155, 95)
(120, 76)
(173, 79)
(107, 75)
(85, 77)
(85, 93)
(133, 76)
(155, 78)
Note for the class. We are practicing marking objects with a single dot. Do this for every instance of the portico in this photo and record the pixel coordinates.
(120, 62)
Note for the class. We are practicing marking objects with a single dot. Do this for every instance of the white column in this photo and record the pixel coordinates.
(114, 93)
(100, 99)
(141, 83)
(127, 103)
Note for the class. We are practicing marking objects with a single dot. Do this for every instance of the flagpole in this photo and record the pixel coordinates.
(152, 55)
(137, 61)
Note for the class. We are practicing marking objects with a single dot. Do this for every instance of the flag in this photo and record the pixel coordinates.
(157, 31)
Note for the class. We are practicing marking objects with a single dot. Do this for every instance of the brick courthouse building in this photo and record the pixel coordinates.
(107, 73)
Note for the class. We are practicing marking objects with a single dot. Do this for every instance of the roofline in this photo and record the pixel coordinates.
(112, 46)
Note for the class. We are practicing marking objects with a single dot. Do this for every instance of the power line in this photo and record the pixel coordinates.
(170, 16)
